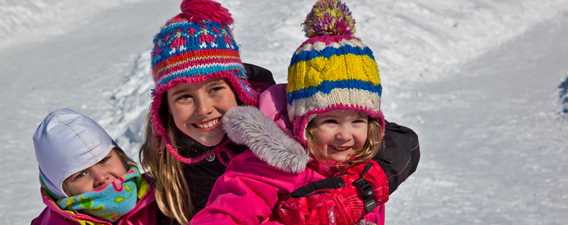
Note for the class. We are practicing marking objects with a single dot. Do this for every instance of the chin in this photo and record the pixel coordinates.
(339, 158)
(212, 141)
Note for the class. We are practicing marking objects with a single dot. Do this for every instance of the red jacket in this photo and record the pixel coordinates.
(355, 196)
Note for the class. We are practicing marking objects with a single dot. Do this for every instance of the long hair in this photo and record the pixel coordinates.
(372, 146)
(172, 191)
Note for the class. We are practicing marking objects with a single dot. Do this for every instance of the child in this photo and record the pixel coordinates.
(85, 178)
(199, 76)
(333, 97)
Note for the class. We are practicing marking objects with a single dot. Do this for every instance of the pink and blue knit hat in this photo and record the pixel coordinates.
(195, 46)
(332, 70)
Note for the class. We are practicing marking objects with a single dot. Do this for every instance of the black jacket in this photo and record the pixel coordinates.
(400, 154)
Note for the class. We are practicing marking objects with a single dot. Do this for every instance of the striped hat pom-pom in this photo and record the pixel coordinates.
(329, 17)
(198, 10)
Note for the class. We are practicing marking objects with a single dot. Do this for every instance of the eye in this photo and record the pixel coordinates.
(216, 88)
(79, 175)
(359, 121)
(184, 98)
(329, 121)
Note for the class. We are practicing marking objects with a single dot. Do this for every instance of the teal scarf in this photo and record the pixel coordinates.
(110, 203)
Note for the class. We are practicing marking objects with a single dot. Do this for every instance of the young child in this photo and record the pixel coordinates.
(86, 178)
(333, 105)
(198, 77)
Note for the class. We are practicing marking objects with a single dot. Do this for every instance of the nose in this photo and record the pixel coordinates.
(343, 135)
(100, 176)
(204, 106)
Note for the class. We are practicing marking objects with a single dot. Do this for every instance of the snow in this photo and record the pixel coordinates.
(482, 82)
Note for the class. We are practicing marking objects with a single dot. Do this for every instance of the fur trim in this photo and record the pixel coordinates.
(247, 125)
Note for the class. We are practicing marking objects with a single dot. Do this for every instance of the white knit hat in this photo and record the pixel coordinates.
(67, 142)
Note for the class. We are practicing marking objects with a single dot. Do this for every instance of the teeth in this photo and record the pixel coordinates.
(208, 124)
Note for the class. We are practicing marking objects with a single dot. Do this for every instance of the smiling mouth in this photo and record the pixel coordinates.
(340, 149)
(209, 124)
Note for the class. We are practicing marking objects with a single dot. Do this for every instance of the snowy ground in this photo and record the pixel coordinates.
(478, 80)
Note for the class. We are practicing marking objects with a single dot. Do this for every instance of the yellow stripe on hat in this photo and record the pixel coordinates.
(311, 73)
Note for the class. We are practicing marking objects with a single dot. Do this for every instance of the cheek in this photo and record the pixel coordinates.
(116, 166)
(226, 102)
(78, 187)
(180, 112)
(118, 169)
(361, 137)
(323, 137)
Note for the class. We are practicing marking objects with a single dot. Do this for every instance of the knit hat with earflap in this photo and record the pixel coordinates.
(67, 142)
(195, 46)
(332, 70)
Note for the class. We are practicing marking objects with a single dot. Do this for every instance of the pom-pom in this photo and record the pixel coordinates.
(198, 10)
(329, 17)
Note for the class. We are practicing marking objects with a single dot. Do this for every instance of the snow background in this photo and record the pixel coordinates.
(480, 81)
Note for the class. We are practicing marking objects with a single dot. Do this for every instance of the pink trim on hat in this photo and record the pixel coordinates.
(328, 39)
(236, 85)
(300, 124)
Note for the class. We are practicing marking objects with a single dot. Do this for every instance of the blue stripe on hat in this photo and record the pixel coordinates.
(327, 86)
(331, 51)
(203, 70)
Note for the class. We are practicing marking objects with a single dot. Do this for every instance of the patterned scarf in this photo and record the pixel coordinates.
(110, 203)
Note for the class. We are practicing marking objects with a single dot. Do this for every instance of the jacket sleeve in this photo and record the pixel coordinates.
(400, 154)
(245, 194)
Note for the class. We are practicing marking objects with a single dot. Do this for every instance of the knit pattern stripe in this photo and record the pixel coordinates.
(202, 69)
(306, 74)
(347, 96)
(325, 87)
(332, 50)
(196, 57)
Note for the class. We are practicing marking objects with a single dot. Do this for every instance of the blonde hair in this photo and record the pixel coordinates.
(172, 191)
(370, 149)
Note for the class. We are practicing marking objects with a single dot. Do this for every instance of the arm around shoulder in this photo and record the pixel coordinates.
(399, 155)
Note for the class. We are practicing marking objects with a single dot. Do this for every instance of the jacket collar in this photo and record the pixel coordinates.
(248, 126)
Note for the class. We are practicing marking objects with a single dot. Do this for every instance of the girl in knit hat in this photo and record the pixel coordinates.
(86, 178)
(199, 77)
(333, 109)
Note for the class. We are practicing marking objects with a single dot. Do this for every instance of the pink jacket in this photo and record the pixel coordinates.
(145, 213)
(249, 190)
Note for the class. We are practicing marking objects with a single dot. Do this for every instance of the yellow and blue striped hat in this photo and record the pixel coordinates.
(332, 70)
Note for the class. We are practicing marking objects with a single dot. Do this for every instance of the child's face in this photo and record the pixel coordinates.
(197, 109)
(96, 177)
(338, 134)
